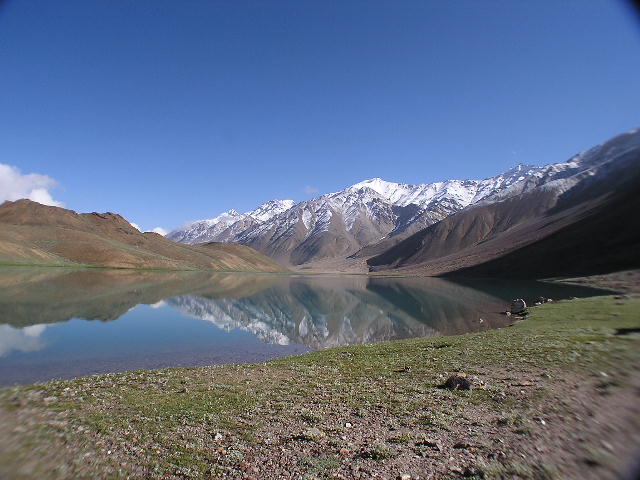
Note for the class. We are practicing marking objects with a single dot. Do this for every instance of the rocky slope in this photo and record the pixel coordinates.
(583, 221)
(368, 218)
(31, 234)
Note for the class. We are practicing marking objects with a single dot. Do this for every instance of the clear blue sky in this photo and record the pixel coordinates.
(167, 111)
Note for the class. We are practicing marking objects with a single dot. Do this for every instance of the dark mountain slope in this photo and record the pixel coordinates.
(466, 229)
(573, 219)
(607, 239)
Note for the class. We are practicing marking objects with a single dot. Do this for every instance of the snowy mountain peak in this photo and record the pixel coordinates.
(228, 216)
(375, 211)
(378, 185)
(271, 208)
(519, 169)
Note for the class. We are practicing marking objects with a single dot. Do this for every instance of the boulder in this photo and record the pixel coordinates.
(518, 306)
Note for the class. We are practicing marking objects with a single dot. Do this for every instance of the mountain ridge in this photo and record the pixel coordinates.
(371, 216)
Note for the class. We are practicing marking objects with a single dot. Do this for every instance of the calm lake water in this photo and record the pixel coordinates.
(61, 323)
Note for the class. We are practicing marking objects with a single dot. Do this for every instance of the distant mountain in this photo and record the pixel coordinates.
(366, 219)
(582, 220)
(226, 226)
(35, 234)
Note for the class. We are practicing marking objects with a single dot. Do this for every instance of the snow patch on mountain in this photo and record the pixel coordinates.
(220, 228)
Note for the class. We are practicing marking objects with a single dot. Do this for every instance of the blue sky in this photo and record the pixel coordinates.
(169, 111)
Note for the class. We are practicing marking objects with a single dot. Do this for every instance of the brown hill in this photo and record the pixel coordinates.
(35, 234)
(587, 224)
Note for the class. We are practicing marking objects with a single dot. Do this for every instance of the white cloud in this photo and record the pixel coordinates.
(158, 230)
(310, 190)
(14, 186)
(21, 339)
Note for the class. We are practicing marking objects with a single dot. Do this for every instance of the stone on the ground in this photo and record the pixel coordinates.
(458, 382)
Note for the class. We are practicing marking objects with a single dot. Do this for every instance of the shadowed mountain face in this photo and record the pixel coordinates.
(603, 239)
(35, 234)
(578, 224)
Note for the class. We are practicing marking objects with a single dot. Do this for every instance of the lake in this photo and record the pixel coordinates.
(64, 323)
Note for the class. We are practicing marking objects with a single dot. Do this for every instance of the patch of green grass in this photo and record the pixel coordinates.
(379, 452)
(322, 463)
(310, 416)
(517, 420)
(400, 439)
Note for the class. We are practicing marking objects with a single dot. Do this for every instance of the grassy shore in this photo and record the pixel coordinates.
(554, 396)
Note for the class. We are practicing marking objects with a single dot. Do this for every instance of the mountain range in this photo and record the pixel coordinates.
(434, 228)
(576, 217)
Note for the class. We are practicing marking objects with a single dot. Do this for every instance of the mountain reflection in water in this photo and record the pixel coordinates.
(330, 312)
(44, 331)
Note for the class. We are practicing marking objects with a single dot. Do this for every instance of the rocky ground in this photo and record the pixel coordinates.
(334, 265)
(554, 396)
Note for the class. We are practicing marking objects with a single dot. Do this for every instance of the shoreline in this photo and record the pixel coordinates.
(622, 281)
(356, 412)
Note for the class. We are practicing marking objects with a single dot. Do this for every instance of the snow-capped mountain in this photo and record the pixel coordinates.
(227, 225)
(362, 213)
(374, 214)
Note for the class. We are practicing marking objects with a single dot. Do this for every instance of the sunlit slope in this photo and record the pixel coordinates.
(31, 233)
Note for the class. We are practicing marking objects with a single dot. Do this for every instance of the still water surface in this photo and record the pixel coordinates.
(61, 323)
